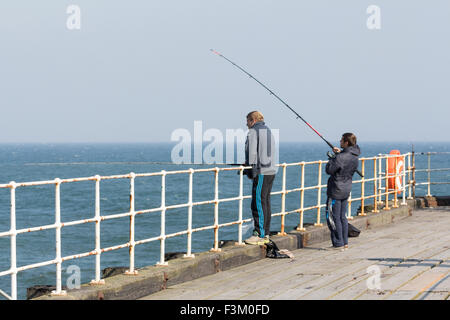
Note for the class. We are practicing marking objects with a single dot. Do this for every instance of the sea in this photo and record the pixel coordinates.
(35, 205)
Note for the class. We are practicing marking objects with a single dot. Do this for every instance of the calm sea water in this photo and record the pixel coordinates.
(35, 205)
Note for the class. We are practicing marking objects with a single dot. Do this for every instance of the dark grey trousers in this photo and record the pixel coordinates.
(337, 210)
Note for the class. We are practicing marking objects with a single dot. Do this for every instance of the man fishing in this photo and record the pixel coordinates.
(259, 154)
(341, 168)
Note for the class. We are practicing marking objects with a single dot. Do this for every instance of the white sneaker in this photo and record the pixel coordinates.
(255, 240)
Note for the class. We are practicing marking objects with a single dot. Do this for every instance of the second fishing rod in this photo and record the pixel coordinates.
(282, 101)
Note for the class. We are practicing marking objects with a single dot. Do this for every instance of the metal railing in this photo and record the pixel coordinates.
(428, 170)
(377, 184)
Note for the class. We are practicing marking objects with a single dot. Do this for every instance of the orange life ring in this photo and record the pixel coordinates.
(395, 167)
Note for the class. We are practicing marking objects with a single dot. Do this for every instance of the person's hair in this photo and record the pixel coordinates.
(255, 115)
(350, 138)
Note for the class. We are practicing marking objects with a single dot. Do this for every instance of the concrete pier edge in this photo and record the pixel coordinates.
(152, 279)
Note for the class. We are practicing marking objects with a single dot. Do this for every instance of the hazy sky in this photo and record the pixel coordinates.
(137, 70)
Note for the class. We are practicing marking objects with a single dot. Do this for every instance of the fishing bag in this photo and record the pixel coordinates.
(273, 252)
(353, 231)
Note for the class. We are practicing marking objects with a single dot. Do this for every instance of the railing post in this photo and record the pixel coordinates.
(98, 251)
(395, 183)
(413, 174)
(380, 179)
(375, 186)
(216, 211)
(241, 201)
(283, 202)
(13, 242)
(429, 174)
(189, 234)
(58, 291)
(362, 213)
(386, 207)
(404, 183)
(349, 208)
(302, 195)
(319, 189)
(132, 271)
(409, 177)
(163, 219)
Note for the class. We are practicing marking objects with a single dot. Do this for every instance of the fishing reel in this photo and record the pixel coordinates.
(331, 155)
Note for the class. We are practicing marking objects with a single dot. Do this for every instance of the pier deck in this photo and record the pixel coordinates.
(412, 257)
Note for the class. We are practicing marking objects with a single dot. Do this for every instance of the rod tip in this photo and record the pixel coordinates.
(214, 51)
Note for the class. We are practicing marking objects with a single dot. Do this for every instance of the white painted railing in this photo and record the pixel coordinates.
(378, 177)
(429, 170)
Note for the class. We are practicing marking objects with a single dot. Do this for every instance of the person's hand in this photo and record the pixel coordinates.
(336, 150)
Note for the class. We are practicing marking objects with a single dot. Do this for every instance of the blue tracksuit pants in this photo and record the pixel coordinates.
(262, 186)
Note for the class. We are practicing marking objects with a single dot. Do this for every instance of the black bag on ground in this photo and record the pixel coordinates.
(272, 251)
(353, 231)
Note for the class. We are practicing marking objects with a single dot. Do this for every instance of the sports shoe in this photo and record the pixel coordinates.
(255, 240)
(266, 239)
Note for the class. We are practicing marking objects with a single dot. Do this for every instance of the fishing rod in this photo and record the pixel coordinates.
(275, 95)
(282, 101)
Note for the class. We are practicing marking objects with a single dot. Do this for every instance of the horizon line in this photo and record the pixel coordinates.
(206, 143)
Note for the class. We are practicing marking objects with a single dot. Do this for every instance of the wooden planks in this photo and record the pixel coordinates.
(412, 256)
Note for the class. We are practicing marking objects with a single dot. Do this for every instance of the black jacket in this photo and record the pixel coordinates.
(341, 170)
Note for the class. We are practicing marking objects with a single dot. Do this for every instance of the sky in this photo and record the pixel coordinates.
(136, 71)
